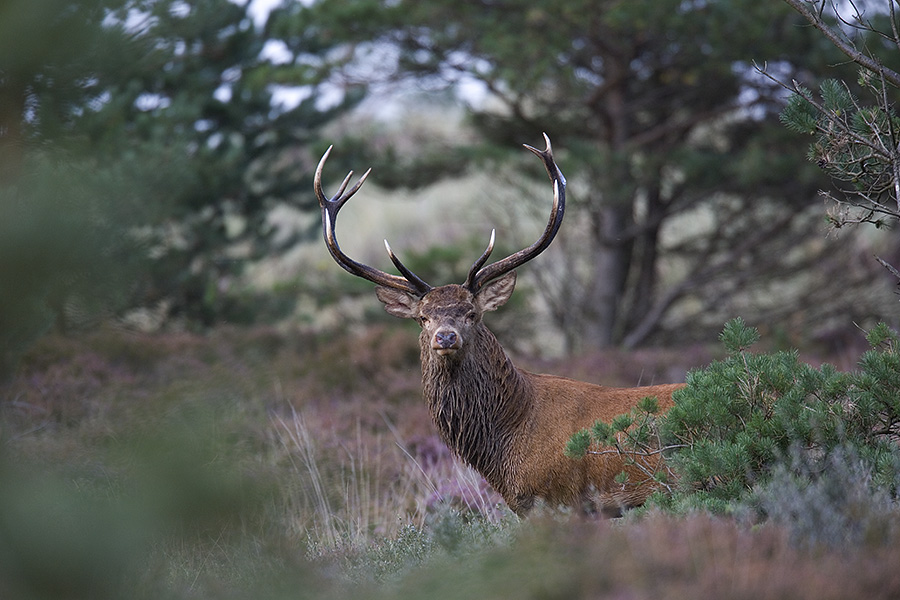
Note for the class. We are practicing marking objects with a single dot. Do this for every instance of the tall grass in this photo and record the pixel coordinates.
(373, 487)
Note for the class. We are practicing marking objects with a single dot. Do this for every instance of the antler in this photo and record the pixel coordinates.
(479, 276)
(409, 283)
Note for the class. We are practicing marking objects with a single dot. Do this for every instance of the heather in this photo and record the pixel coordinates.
(277, 464)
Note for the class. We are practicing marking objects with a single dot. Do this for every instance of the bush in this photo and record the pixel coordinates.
(839, 509)
(745, 418)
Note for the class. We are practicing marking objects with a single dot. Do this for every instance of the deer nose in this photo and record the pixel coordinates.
(446, 340)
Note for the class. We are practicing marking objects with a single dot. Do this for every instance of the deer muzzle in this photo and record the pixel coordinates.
(446, 341)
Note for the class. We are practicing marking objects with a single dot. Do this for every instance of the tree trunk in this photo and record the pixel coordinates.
(612, 221)
(611, 265)
(642, 291)
(12, 108)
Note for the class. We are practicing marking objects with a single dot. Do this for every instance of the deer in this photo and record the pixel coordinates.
(509, 424)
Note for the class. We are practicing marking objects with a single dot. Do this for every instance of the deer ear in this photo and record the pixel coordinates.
(496, 293)
(398, 303)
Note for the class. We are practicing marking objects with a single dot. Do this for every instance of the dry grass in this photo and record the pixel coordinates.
(372, 486)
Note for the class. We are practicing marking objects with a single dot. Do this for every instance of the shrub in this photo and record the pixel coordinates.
(843, 507)
(740, 420)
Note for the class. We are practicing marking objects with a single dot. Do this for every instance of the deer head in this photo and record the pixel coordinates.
(450, 313)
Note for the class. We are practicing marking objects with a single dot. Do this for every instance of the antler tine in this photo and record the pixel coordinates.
(470, 279)
(480, 276)
(340, 198)
(409, 275)
(409, 283)
(317, 181)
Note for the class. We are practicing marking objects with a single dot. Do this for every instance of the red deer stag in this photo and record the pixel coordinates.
(510, 425)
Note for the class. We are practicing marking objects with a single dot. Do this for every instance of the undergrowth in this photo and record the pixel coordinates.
(224, 467)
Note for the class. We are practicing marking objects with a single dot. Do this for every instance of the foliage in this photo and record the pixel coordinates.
(742, 418)
(856, 142)
(446, 534)
(178, 103)
(631, 436)
(841, 509)
(655, 113)
(65, 256)
(141, 144)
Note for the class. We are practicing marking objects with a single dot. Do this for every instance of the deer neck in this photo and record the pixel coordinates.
(477, 399)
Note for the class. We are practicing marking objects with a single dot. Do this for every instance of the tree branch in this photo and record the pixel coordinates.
(842, 44)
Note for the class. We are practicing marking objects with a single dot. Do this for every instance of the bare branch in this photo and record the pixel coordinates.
(642, 453)
(842, 44)
(889, 267)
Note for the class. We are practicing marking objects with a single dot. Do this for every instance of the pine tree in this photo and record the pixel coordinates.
(656, 112)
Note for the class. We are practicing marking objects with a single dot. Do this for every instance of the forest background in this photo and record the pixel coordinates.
(167, 307)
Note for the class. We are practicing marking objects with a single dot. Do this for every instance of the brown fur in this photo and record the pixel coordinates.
(511, 425)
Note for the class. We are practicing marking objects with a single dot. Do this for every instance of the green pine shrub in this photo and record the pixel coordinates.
(742, 420)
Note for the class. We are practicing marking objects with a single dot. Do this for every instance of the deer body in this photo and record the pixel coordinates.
(510, 425)
(561, 407)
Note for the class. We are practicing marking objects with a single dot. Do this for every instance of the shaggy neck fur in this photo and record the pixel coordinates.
(471, 395)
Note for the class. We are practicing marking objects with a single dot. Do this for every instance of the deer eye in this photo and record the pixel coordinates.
(423, 321)
(471, 317)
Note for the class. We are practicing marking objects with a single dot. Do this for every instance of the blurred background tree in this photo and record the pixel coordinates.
(688, 190)
(146, 144)
(56, 238)
(140, 153)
